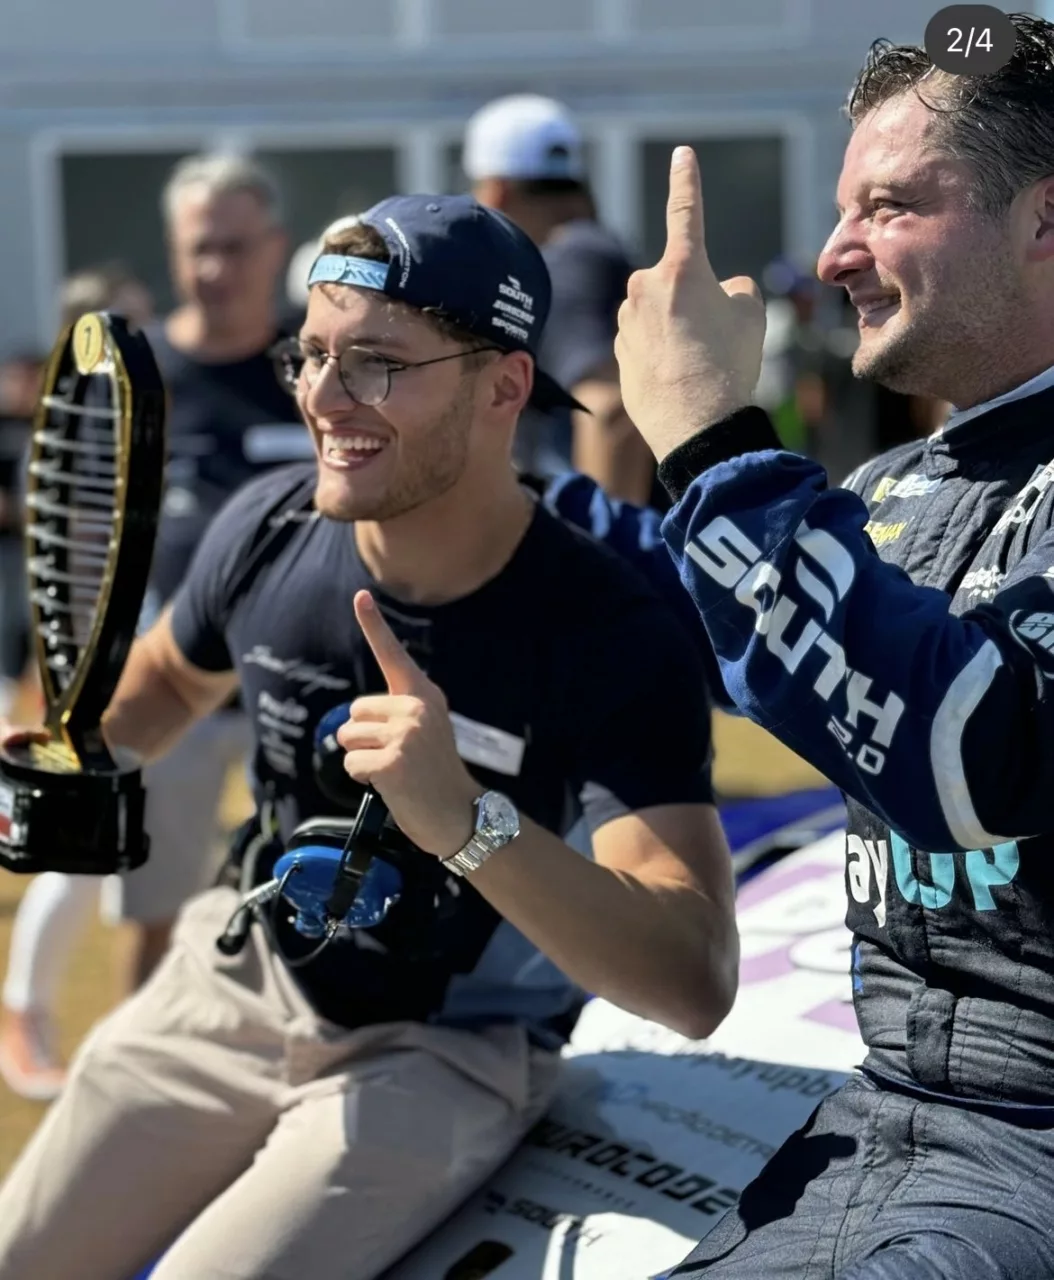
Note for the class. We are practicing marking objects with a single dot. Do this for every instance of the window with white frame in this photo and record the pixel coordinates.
(111, 202)
(321, 184)
(111, 211)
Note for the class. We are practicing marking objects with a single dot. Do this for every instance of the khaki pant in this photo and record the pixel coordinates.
(216, 1116)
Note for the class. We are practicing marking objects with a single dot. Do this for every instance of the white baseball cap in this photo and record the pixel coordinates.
(523, 136)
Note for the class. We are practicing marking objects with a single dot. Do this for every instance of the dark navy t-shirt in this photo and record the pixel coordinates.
(589, 270)
(557, 672)
(227, 422)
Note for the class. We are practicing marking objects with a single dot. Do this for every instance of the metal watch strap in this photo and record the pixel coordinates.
(470, 858)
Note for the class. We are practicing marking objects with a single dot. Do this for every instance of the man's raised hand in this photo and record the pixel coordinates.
(402, 743)
(688, 346)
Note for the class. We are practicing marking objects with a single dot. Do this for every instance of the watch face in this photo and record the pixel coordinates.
(497, 814)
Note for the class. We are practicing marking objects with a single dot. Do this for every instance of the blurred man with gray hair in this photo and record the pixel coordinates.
(229, 419)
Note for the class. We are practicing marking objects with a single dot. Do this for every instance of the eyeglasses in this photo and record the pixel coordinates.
(365, 376)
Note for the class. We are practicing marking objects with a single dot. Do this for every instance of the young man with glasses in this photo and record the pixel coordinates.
(505, 674)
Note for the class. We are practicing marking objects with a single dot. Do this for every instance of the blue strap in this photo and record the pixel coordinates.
(335, 268)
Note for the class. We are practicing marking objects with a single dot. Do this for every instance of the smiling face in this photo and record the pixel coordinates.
(379, 462)
(939, 287)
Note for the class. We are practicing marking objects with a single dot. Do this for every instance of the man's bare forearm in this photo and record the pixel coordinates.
(652, 944)
(146, 717)
(607, 447)
(159, 695)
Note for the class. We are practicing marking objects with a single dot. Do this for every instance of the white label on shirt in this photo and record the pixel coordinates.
(484, 745)
(278, 442)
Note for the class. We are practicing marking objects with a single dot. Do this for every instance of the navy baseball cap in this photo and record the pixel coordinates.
(469, 263)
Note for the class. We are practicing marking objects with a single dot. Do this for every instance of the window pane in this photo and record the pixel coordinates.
(111, 203)
(743, 190)
(323, 184)
(456, 182)
(111, 207)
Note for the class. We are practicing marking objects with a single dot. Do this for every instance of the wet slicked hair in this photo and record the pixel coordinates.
(1001, 125)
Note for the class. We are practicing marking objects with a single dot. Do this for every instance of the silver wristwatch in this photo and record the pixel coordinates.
(497, 823)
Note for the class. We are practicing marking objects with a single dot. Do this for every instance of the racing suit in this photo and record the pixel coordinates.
(899, 634)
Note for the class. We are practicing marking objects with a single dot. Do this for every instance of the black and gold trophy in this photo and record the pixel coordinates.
(93, 496)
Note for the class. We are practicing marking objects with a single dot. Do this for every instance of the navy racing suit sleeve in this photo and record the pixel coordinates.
(635, 533)
(942, 725)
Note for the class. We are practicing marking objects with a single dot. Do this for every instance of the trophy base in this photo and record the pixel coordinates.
(87, 824)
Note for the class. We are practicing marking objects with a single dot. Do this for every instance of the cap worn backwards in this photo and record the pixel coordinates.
(469, 263)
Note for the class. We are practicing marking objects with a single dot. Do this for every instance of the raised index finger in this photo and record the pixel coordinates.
(401, 673)
(685, 232)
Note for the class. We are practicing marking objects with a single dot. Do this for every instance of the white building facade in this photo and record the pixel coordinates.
(349, 100)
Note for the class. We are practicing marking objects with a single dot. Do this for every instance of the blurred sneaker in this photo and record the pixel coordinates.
(29, 1065)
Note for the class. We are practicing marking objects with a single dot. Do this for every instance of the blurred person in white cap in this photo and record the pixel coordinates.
(525, 156)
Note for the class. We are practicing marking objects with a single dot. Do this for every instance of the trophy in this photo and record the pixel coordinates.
(93, 497)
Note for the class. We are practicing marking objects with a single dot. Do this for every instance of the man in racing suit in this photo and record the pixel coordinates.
(900, 636)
